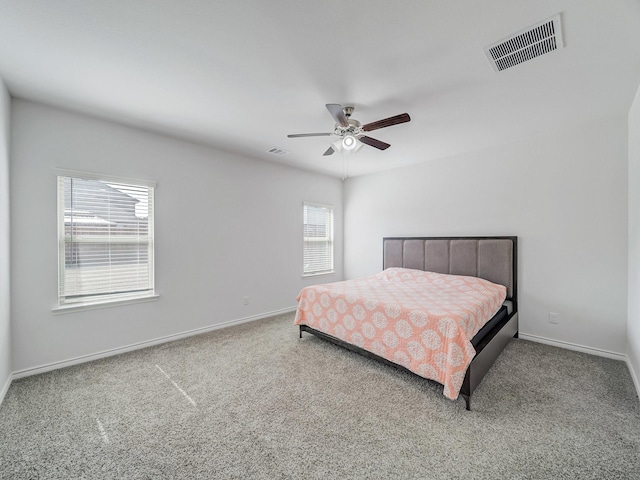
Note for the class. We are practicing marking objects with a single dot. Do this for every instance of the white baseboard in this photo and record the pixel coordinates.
(5, 388)
(634, 377)
(137, 346)
(574, 346)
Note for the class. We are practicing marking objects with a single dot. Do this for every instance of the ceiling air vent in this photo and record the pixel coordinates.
(541, 38)
(277, 151)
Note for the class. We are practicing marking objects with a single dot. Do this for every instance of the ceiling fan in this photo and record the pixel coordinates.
(351, 132)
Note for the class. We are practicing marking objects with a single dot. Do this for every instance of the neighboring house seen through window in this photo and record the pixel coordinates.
(318, 239)
(105, 238)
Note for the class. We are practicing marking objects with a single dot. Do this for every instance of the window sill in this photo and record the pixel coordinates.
(319, 274)
(77, 307)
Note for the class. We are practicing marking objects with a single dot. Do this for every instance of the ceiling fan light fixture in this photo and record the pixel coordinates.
(352, 144)
(349, 142)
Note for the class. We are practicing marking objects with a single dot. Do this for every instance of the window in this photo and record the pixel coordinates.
(318, 239)
(105, 240)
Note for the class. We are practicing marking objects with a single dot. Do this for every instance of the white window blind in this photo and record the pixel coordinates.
(318, 239)
(105, 240)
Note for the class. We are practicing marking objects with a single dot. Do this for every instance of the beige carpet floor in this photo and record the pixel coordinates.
(255, 401)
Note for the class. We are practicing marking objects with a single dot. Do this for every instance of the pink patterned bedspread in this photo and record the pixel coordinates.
(423, 321)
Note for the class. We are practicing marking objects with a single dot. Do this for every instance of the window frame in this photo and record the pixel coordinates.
(330, 239)
(99, 300)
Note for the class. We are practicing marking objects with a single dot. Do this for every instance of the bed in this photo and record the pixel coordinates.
(442, 308)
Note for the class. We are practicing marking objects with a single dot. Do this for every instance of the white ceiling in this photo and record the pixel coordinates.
(241, 75)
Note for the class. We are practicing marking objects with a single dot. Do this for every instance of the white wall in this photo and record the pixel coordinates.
(226, 227)
(5, 327)
(633, 325)
(564, 196)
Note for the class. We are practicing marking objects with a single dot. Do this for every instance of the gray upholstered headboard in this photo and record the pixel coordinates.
(491, 258)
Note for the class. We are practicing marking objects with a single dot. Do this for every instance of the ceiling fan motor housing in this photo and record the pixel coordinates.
(354, 128)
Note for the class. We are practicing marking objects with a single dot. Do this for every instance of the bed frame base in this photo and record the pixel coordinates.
(486, 353)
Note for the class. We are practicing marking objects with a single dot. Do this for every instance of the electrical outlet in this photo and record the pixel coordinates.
(246, 300)
(553, 317)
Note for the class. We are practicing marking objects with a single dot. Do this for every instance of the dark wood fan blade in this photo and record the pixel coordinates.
(297, 135)
(338, 114)
(328, 152)
(374, 143)
(387, 122)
